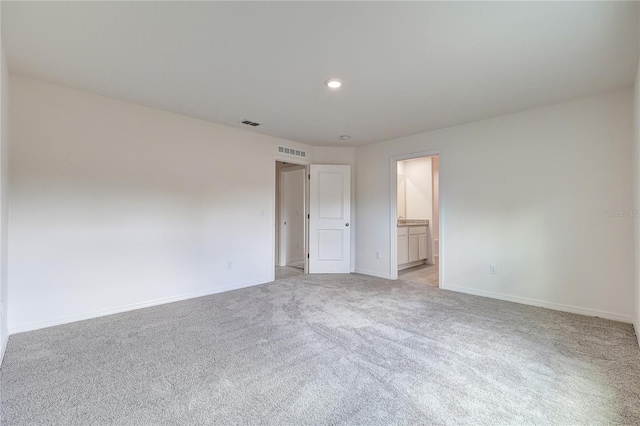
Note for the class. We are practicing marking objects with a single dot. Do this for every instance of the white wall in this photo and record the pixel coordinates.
(528, 193)
(401, 185)
(116, 206)
(4, 202)
(418, 188)
(435, 223)
(636, 196)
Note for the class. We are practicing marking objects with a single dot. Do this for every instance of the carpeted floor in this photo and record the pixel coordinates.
(328, 350)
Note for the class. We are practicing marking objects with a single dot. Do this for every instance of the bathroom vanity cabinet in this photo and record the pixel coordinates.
(412, 245)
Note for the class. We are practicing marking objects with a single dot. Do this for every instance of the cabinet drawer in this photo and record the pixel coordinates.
(414, 230)
(403, 232)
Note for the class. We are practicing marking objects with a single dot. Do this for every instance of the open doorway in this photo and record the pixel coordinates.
(290, 241)
(417, 217)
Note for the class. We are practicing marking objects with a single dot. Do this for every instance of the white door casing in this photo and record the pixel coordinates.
(292, 194)
(329, 219)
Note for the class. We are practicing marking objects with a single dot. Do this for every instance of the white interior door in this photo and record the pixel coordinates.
(329, 219)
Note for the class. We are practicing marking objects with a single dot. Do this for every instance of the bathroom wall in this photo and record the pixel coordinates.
(418, 188)
(435, 220)
(401, 193)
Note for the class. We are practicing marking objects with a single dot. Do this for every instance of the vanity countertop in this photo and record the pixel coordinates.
(413, 222)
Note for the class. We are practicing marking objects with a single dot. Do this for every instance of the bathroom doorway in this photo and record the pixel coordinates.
(417, 219)
(290, 232)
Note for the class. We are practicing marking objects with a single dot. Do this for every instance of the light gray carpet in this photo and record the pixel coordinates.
(327, 350)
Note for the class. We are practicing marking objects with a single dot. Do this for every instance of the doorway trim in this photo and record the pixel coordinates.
(393, 211)
(280, 229)
(300, 162)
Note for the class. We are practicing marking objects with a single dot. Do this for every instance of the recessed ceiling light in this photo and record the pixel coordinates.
(333, 83)
(345, 137)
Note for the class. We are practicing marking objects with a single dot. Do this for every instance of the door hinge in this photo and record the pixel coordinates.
(307, 255)
(308, 216)
(309, 177)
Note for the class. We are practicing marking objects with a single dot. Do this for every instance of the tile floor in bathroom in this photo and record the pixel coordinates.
(422, 274)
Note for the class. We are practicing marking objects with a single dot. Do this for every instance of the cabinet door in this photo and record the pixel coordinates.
(403, 249)
(413, 248)
(422, 246)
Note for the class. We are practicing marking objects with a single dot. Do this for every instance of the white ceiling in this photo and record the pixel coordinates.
(407, 67)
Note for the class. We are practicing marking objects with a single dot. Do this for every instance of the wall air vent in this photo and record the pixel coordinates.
(291, 151)
(250, 123)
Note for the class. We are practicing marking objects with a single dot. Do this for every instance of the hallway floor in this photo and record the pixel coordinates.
(283, 272)
(422, 274)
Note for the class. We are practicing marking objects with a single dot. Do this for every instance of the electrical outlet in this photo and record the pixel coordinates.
(377, 255)
(229, 265)
(493, 269)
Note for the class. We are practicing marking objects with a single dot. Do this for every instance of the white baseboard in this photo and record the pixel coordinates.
(371, 273)
(133, 306)
(636, 328)
(540, 303)
(412, 264)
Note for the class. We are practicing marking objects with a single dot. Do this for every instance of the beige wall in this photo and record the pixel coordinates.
(526, 192)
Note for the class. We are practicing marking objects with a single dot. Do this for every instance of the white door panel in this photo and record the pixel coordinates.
(329, 219)
(330, 242)
(330, 196)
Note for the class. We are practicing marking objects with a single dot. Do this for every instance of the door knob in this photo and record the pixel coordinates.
(346, 224)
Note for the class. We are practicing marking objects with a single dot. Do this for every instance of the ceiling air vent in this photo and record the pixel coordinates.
(291, 151)
(250, 123)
